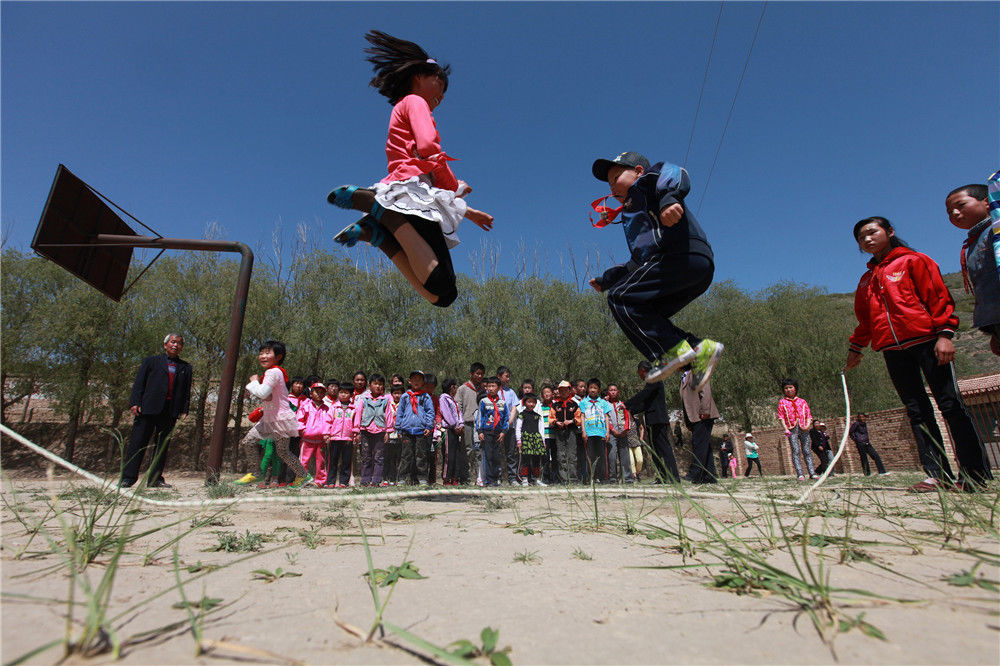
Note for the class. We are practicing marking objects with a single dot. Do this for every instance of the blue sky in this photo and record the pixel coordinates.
(246, 114)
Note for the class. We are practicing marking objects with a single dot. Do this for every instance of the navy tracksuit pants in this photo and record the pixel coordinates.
(644, 300)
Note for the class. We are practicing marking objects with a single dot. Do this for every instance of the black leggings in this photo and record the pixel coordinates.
(905, 369)
(441, 281)
(750, 462)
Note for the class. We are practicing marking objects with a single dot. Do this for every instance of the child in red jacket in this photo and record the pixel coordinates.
(905, 311)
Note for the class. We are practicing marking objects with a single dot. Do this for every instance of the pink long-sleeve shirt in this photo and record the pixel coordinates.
(413, 146)
(315, 421)
(342, 429)
(794, 412)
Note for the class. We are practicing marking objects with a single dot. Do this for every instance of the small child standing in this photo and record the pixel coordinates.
(390, 473)
(373, 419)
(278, 421)
(619, 423)
(315, 425)
(968, 209)
(795, 416)
(415, 422)
(492, 420)
(342, 437)
(671, 264)
(905, 311)
(529, 430)
(753, 454)
(546, 406)
(454, 460)
(592, 418)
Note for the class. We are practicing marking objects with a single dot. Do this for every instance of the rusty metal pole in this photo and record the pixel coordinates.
(227, 380)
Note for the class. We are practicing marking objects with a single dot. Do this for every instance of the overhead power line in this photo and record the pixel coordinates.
(739, 85)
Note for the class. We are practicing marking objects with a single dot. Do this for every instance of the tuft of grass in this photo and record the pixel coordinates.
(269, 576)
(528, 557)
(581, 554)
(232, 542)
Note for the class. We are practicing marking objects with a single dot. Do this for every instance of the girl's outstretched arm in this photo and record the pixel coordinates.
(481, 219)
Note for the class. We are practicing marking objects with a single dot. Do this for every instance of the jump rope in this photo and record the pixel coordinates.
(317, 498)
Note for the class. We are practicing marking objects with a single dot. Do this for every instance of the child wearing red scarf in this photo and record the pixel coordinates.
(415, 423)
(492, 419)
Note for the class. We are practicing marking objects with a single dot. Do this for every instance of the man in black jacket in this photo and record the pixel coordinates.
(651, 401)
(160, 394)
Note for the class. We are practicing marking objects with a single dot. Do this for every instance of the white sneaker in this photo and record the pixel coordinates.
(524, 482)
(884, 473)
(539, 482)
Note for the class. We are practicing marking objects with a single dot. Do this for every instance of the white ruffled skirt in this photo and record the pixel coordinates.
(416, 196)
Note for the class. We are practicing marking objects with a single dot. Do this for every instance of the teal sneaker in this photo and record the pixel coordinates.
(707, 355)
(669, 363)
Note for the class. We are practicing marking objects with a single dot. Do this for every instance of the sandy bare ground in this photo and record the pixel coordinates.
(563, 581)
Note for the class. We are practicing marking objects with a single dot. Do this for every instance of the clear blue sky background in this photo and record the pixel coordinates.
(246, 114)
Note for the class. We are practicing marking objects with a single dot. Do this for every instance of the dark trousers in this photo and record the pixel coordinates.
(492, 458)
(596, 460)
(564, 458)
(644, 300)
(286, 475)
(414, 458)
(474, 450)
(372, 457)
(866, 449)
(905, 368)
(390, 468)
(702, 461)
(750, 464)
(456, 462)
(512, 457)
(549, 461)
(144, 428)
(663, 453)
(338, 463)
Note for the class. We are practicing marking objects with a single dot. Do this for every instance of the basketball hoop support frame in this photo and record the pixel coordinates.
(227, 380)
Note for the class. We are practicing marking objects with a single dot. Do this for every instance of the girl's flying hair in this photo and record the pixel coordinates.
(396, 61)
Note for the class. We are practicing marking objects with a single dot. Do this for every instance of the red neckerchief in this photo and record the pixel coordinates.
(496, 411)
(607, 214)
(469, 384)
(413, 398)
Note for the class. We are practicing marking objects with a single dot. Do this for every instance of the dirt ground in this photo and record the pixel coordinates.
(566, 580)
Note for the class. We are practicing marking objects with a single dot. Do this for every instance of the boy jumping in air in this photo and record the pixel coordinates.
(671, 264)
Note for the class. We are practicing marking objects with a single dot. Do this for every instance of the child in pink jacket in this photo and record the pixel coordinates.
(315, 422)
(342, 436)
(796, 417)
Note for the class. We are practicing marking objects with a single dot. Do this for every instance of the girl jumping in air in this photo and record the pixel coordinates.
(414, 212)
(905, 311)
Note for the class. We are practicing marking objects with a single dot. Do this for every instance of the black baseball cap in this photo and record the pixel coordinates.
(626, 159)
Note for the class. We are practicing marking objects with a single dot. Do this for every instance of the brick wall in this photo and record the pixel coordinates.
(888, 430)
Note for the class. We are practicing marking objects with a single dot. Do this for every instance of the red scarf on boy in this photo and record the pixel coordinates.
(413, 398)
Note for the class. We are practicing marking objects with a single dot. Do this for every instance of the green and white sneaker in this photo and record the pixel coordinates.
(301, 481)
(708, 353)
(671, 362)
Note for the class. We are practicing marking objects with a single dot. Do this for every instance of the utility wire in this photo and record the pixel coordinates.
(746, 65)
(704, 80)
